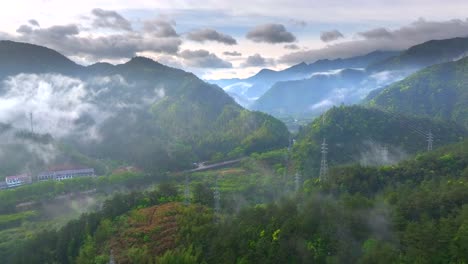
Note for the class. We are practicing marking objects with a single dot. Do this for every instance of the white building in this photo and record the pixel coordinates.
(65, 173)
(17, 180)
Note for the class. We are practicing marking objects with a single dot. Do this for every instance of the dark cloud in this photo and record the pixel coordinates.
(376, 33)
(203, 59)
(402, 38)
(110, 19)
(34, 22)
(24, 29)
(271, 33)
(207, 34)
(66, 39)
(291, 47)
(257, 61)
(332, 35)
(232, 53)
(160, 28)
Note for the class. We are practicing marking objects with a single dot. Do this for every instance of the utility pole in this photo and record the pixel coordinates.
(186, 190)
(323, 163)
(217, 198)
(430, 139)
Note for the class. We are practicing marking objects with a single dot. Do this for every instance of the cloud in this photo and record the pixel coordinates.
(56, 101)
(203, 59)
(232, 53)
(33, 22)
(207, 34)
(67, 40)
(402, 38)
(291, 47)
(376, 33)
(328, 36)
(257, 61)
(110, 19)
(24, 29)
(160, 28)
(271, 33)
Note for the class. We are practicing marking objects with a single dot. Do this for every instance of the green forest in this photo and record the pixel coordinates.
(413, 212)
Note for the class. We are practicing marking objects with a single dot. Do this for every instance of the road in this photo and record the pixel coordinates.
(202, 166)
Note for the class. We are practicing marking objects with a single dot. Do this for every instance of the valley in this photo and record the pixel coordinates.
(356, 154)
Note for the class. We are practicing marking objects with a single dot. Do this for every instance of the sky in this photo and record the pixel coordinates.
(229, 39)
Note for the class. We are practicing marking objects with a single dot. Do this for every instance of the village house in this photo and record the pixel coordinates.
(17, 180)
(65, 172)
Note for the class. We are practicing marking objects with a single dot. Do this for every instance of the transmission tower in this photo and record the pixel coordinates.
(186, 190)
(323, 163)
(217, 197)
(430, 139)
(297, 181)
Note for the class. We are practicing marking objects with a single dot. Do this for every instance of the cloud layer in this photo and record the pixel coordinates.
(203, 59)
(383, 39)
(207, 34)
(257, 61)
(328, 36)
(271, 33)
(110, 19)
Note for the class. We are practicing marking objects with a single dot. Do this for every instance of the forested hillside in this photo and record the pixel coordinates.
(140, 112)
(439, 91)
(424, 54)
(414, 212)
(368, 136)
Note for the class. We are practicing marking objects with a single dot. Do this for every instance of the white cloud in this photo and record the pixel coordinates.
(56, 101)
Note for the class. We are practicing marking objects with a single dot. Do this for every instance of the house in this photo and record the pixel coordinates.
(65, 172)
(17, 180)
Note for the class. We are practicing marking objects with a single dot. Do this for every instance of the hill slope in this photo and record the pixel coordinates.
(439, 91)
(368, 137)
(140, 112)
(16, 57)
(425, 54)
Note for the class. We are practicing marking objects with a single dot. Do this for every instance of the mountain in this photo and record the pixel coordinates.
(255, 86)
(369, 137)
(140, 112)
(425, 54)
(439, 91)
(312, 95)
(17, 57)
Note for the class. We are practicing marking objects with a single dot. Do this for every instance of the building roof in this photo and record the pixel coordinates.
(21, 176)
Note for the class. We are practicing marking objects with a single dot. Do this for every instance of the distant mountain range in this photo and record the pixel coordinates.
(255, 86)
(140, 112)
(311, 95)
